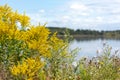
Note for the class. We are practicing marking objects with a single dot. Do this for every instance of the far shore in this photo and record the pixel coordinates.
(90, 37)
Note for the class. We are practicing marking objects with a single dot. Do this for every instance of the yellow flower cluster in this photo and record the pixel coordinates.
(59, 46)
(9, 22)
(9, 18)
(28, 68)
(36, 37)
(38, 42)
(56, 42)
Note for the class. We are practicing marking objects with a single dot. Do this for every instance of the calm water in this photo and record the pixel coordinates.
(89, 47)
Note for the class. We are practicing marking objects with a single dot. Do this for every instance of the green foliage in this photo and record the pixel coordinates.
(81, 33)
(102, 67)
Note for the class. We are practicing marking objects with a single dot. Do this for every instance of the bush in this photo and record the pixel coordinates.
(28, 54)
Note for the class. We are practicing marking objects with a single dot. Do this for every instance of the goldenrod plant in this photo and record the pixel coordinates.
(28, 69)
(18, 45)
(25, 53)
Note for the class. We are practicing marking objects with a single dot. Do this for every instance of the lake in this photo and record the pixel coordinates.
(89, 47)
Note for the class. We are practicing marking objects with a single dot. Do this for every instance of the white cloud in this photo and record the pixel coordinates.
(66, 17)
(99, 19)
(85, 14)
(76, 6)
(42, 11)
(81, 14)
(37, 18)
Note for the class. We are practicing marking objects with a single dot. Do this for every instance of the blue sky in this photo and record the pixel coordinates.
(75, 14)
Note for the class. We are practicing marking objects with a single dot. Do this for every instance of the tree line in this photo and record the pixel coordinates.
(86, 33)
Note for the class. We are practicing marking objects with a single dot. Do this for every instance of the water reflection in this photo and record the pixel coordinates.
(89, 47)
(94, 38)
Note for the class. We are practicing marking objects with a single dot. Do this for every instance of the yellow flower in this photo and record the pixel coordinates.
(29, 67)
(101, 63)
(15, 70)
(30, 79)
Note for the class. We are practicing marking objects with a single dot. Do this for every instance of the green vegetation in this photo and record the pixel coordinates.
(87, 33)
(36, 54)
